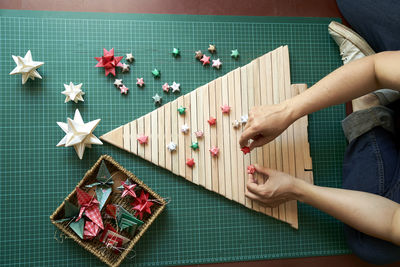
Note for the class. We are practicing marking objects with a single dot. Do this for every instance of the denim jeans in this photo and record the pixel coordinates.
(372, 164)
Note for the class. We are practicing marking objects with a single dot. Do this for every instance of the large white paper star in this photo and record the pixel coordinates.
(73, 92)
(27, 67)
(79, 134)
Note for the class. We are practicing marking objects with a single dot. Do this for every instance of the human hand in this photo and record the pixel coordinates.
(265, 123)
(278, 188)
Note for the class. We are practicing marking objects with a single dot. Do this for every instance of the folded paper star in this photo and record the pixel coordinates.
(216, 63)
(129, 57)
(142, 205)
(118, 83)
(235, 54)
(143, 139)
(157, 99)
(79, 134)
(190, 162)
(195, 145)
(184, 128)
(89, 206)
(214, 151)
(251, 169)
(108, 61)
(171, 146)
(182, 110)
(139, 82)
(199, 134)
(125, 68)
(245, 150)
(73, 92)
(103, 185)
(165, 87)
(27, 67)
(212, 49)
(175, 52)
(175, 87)
(205, 60)
(156, 73)
(129, 189)
(124, 89)
(212, 121)
(225, 109)
(235, 124)
(244, 119)
(198, 55)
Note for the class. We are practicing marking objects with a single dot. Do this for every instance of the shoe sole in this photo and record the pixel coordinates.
(352, 36)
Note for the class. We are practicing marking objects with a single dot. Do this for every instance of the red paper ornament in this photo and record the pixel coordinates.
(108, 61)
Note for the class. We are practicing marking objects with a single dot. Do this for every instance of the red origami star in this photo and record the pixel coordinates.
(143, 139)
(108, 61)
(225, 109)
(251, 169)
(214, 151)
(190, 162)
(128, 190)
(142, 205)
(245, 149)
(212, 121)
(205, 60)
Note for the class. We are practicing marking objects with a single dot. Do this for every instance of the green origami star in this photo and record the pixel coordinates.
(176, 52)
(195, 145)
(235, 54)
(156, 73)
(181, 110)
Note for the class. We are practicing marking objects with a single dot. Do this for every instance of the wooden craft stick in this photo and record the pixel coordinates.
(200, 123)
(154, 137)
(220, 137)
(168, 136)
(207, 137)
(241, 177)
(263, 101)
(245, 110)
(134, 137)
(147, 130)
(226, 136)
(181, 138)
(233, 136)
(161, 136)
(127, 134)
(140, 133)
(194, 126)
(175, 132)
(250, 84)
(188, 137)
(213, 134)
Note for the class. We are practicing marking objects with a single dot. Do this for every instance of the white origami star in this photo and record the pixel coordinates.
(216, 63)
(129, 58)
(185, 128)
(73, 92)
(171, 146)
(175, 87)
(125, 67)
(27, 67)
(235, 124)
(118, 83)
(79, 134)
(157, 99)
(244, 118)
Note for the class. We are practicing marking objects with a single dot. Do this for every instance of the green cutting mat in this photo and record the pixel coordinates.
(198, 226)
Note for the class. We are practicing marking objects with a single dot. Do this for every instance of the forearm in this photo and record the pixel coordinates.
(349, 82)
(372, 214)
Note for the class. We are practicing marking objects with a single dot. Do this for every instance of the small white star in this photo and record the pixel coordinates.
(184, 128)
(235, 124)
(157, 99)
(73, 92)
(125, 67)
(216, 63)
(175, 87)
(171, 146)
(79, 134)
(244, 118)
(27, 67)
(118, 83)
(129, 58)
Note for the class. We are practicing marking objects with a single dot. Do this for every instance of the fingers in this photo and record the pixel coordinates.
(263, 201)
(258, 142)
(248, 134)
(263, 170)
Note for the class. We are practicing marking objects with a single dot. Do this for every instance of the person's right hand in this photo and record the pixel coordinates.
(265, 123)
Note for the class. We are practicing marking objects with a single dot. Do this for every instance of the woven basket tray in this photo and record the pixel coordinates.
(96, 247)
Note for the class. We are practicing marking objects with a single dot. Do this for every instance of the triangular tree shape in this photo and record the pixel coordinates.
(265, 80)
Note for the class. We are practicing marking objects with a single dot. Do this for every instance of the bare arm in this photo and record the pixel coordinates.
(346, 83)
(372, 214)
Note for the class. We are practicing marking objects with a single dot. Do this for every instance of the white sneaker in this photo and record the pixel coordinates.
(351, 45)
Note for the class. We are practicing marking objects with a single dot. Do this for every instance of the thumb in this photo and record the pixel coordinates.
(264, 170)
(258, 142)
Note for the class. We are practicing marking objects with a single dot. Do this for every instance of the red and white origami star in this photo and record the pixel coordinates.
(142, 204)
(205, 60)
(251, 169)
(139, 82)
(108, 61)
(214, 151)
(225, 109)
(128, 190)
(165, 87)
(124, 89)
(143, 139)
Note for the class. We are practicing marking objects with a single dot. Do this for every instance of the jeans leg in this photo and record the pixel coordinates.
(371, 164)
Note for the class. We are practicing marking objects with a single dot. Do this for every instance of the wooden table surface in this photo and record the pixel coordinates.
(292, 8)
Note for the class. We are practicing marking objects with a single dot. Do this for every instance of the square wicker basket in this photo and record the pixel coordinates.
(96, 247)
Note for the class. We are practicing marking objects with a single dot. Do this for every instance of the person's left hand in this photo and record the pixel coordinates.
(278, 188)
